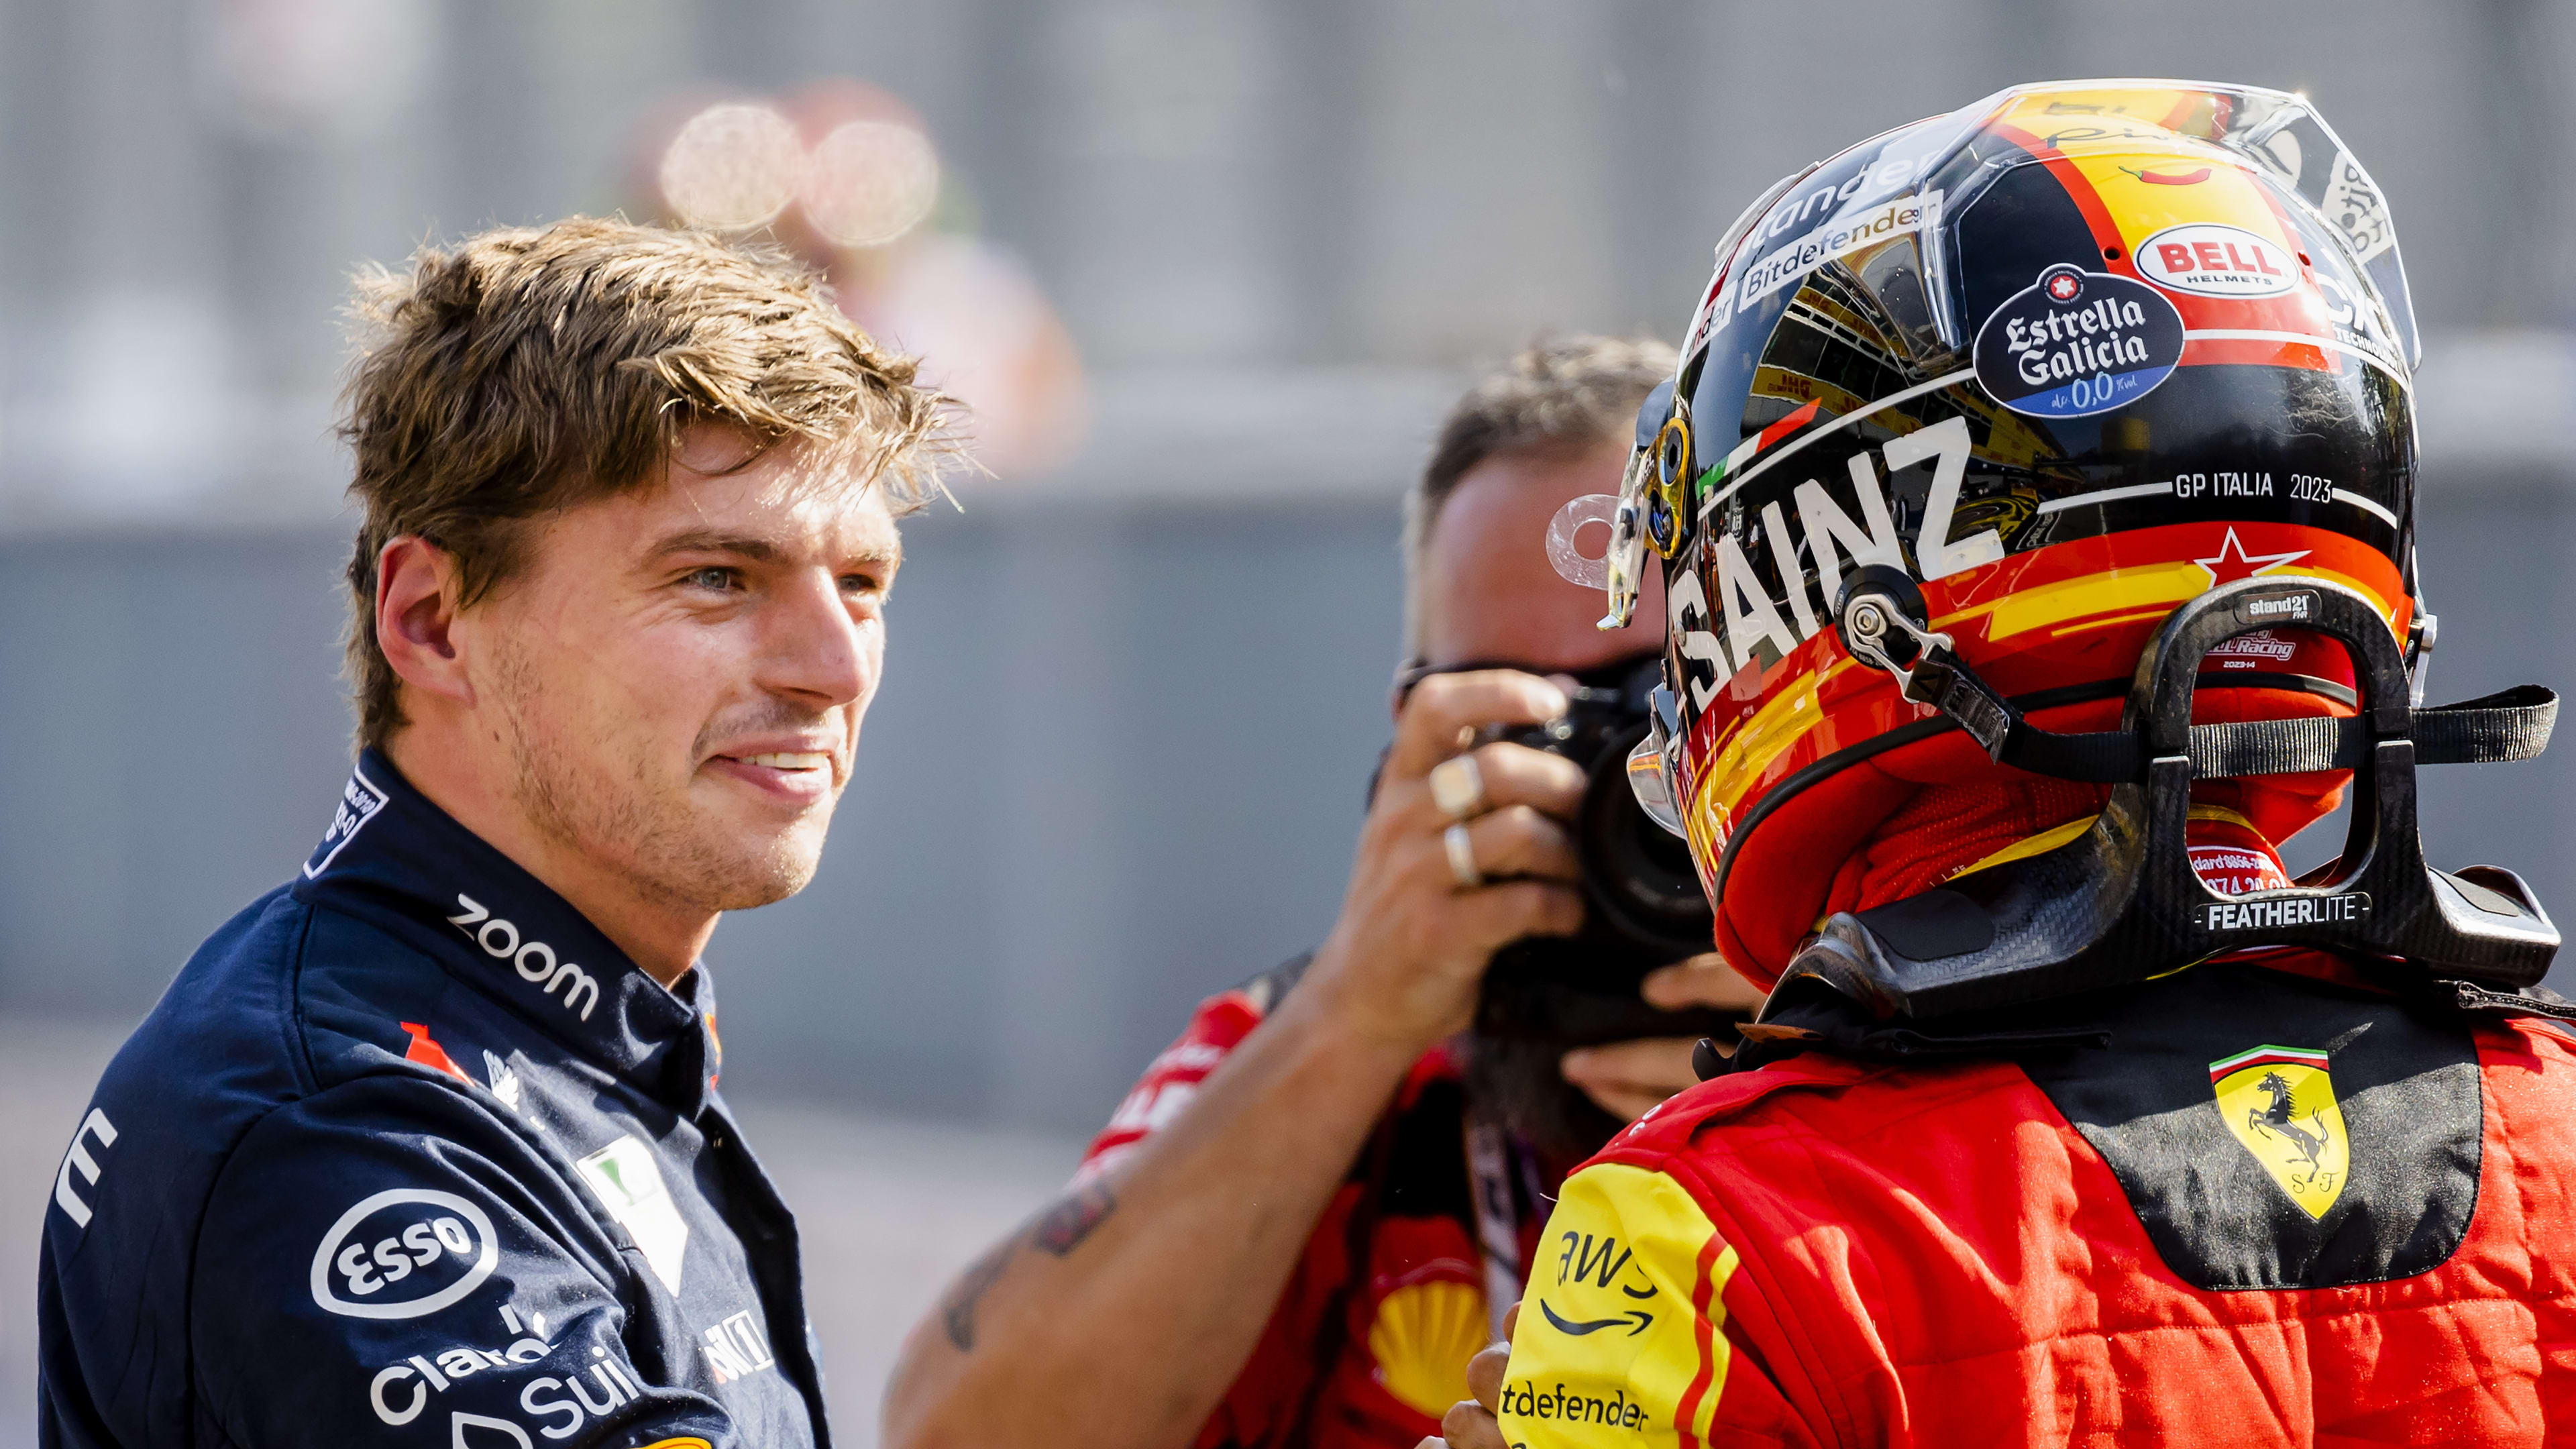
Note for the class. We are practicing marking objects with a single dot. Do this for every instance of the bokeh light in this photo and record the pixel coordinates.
(732, 166)
(869, 182)
(317, 69)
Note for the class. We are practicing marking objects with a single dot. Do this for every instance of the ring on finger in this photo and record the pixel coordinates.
(1458, 786)
(1461, 849)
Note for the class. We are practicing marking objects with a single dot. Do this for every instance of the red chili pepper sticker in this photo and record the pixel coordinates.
(2169, 178)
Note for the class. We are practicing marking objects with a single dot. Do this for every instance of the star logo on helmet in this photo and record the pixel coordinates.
(2232, 562)
(2064, 287)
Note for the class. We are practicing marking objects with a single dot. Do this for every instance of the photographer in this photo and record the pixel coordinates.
(1311, 1211)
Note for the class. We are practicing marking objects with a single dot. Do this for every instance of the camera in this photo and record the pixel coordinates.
(1643, 904)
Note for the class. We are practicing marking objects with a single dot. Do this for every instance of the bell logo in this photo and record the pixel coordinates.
(2280, 1103)
(2210, 260)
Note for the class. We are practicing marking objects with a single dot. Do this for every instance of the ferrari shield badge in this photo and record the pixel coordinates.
(2280, 1103)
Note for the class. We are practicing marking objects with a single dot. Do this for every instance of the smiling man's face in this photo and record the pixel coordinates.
(678, 673)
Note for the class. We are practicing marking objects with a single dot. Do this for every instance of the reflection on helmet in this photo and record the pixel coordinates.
(2068, 358)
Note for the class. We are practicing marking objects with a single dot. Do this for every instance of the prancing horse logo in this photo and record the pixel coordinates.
(2280, 1103)
(2279, 1117)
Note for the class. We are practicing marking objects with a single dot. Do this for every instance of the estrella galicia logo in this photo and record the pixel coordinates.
(360, 799)
(2075, 343)
(402, 1253)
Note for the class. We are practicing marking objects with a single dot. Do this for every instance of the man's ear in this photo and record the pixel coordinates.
(417, 596)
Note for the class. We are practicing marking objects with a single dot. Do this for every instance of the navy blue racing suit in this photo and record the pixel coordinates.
(410, 1154)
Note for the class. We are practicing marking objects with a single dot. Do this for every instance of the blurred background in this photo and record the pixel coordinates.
(1209, 271)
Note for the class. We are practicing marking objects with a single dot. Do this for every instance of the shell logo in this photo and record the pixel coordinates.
(1423, 1336)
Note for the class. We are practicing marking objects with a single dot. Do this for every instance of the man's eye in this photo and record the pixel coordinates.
(861, 584)
(719, 579)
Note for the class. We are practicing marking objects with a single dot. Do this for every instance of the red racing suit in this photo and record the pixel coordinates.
(1368, 1345)
(2278, 1207)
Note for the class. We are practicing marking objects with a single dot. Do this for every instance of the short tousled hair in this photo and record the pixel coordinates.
(1560, 395)
(528, 370)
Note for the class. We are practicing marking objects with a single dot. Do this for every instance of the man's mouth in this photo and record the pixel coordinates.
(788, 761)
(798, 777)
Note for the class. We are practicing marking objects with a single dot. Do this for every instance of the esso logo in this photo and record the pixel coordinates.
(402, 1253)
(2211, 260)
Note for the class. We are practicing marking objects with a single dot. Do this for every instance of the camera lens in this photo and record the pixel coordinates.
(1638, 875)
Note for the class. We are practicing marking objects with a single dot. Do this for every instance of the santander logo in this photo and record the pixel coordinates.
(2211, 260)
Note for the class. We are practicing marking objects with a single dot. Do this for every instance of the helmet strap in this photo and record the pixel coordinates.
(2122, 902)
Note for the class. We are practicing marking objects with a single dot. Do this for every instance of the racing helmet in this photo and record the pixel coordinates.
(1966, 416)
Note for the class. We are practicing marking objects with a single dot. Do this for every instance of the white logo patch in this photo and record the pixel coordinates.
(358, 1265)
(2357, 209)
(505, 1082)
(737, 1347)
(1832, 243)
(95, 1125)
(360, 799)
(626, 1180)
(2211, 260)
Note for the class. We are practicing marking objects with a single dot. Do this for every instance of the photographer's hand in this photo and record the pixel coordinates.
(1628, 1077)
(1402, 964)
(1176, 1255)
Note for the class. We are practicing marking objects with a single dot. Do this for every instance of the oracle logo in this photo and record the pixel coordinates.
(2211, 260)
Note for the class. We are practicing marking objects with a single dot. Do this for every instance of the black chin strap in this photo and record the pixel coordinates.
(1881, 618)
(2511, 724)
(2121, 902)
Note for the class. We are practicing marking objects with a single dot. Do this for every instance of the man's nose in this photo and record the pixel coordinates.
(813, 646)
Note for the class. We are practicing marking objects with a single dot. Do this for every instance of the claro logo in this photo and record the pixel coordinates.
(402, 1253)
(533, 960)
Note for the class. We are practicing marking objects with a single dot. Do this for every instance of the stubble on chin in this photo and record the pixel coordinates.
(588, 795)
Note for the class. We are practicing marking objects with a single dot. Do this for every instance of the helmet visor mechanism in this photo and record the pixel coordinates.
(1624, 562)
(2061, 362)
(1654, 511)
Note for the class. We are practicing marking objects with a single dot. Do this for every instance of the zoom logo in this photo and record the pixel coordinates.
(533, 960)
(402, 1253)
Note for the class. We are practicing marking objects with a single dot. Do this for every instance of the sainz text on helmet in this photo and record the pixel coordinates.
(2060, 444)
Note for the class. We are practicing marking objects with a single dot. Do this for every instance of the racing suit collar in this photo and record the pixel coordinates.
(396, 860)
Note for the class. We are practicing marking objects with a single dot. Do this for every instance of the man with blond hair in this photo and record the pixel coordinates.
(424, 1147)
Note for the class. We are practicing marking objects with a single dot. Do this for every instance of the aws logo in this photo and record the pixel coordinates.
(1828, 537)
(533, 960)
(1582, 1264)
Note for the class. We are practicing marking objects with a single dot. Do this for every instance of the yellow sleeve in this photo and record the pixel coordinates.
(1618, 1341)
